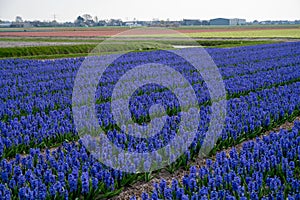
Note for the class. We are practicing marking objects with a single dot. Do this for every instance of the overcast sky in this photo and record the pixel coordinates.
(68, 10)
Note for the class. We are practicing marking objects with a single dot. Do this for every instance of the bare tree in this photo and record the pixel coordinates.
(19, 19)
(87, 17)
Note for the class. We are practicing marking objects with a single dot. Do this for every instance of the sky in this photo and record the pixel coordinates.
(68, 10)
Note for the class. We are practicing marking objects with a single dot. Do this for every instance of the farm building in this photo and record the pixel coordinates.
(219, 21)
(191, 22)
(5, 24)
(223, 21)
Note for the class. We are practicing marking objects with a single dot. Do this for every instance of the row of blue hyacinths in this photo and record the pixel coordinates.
(267, 168)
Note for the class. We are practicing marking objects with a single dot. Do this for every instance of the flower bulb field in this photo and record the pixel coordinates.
(43, 156)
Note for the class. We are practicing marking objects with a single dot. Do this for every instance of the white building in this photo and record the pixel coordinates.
(237, 21)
